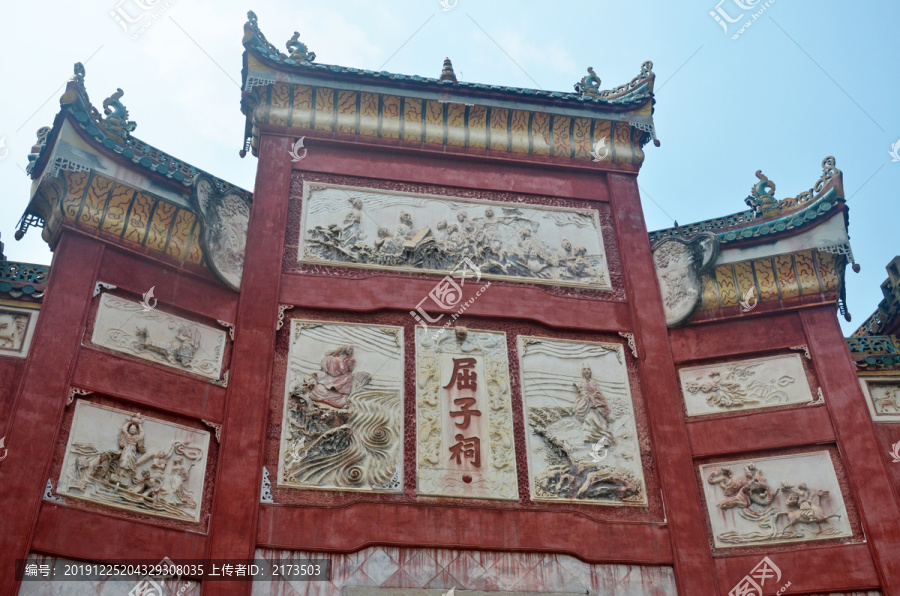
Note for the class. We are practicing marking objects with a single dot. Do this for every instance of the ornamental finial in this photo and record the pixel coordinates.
(762, 200)
(251, 19)
(79, 73)
(116, 121)
(298, 50)
(590, 84)
(447, 73)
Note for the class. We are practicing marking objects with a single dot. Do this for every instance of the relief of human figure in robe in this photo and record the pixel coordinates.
(351, 232)
(721, 393)
(334, 384)
(591, 408)
(131, 442)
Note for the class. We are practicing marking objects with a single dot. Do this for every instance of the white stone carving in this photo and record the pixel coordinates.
(342, 425)
(226, 218)
(265, 491)
(73, 391)
(49, 496)
(883, 397)
(281, 309)
(804, 349)
(229, 326)
(16, 330)
(465, 446)
(579, 423)
(125, 326)
(123, 460)
(790, 498)
(359, 227)
(679, 266)
(100, 286)
(745, 385)
(631, 345)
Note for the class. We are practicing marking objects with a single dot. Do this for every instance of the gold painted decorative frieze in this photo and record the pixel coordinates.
(770, 279)
(448, 123)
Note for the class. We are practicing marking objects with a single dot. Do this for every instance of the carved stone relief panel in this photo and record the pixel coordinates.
(342, 426)
(226, 217)
(790, 498)
(745, 385)
(579, 422)
(358, 227)
(465, 445)
(679, 265)
(121, 459)
(16, 330)
(129, 327)
(883, 397)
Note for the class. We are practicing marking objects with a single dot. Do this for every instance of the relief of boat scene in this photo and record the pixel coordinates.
(412, 232)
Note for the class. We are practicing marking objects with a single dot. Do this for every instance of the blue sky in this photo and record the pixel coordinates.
(805, 80)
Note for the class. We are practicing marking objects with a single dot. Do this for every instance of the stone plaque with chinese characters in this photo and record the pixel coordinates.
(745, 385)
(16, 329)
(579, 422)
(122, 459)
(150, 334)
(465, 435)
(342, 426)
(519, 242)
(773, 500)
(883, 396)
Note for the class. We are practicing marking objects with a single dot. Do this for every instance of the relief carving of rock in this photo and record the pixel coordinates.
(226, 217)
(124, 460)
(745, 384)
(581, 431)
(772, 500)
(126, 326)
(389, 230)
(343, 416)
(679, 266)
(465, 446)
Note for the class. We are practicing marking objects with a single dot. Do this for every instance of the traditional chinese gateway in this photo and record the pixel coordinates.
(436, 348)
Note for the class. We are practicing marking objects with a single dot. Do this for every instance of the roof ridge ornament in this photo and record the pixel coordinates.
(590, 84)
(299, 52)
(116, 122)
(78, 77)
(762, 198)
(447, 74)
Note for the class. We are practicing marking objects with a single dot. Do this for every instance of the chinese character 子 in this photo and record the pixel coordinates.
(446, 293)
(463, 375)
(468, 449)
(465, 404)
(764, 570)
(746, 587)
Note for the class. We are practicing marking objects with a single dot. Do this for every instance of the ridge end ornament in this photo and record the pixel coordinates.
(680, 265)
(225, 213)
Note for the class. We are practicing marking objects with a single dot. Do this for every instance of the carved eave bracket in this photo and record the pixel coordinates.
(631, 344)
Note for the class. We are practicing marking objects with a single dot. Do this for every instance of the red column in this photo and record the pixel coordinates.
(232, 530)
(41, 397)
(694, 571)
(857, 442)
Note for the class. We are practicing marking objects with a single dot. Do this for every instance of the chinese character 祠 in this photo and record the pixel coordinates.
(466, 448)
